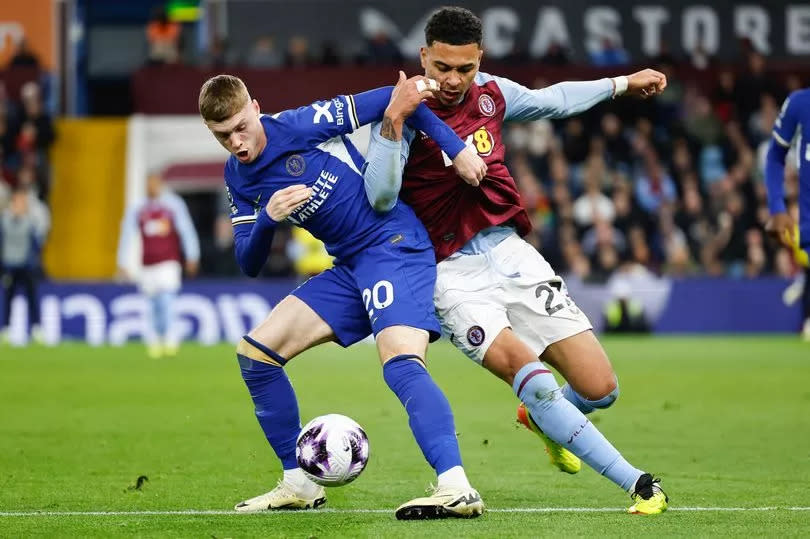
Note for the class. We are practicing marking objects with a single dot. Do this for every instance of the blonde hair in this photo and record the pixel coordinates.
(221, 97)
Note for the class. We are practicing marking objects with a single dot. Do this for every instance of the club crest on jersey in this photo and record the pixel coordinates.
(486, 105)
(295, 165)
(476, 335)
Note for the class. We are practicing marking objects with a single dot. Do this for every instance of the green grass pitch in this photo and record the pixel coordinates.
(725, 421)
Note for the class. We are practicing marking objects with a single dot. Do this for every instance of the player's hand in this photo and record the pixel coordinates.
(192, 267)
(646, 83)
(780, 227)
(470, 166)
(408, 94)
(287, 200)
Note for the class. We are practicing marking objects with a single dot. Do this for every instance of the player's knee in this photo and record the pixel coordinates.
(257, 360)
(609, 394)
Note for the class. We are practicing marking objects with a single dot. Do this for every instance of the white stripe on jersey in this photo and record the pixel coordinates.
(780, 140)
(243, 219)
(352, 113)
(337, 148)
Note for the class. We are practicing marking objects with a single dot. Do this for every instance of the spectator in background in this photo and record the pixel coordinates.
(218, 55)
(298, 54)
(22, 234)
(593, 205)
(23, 55)
(264, 55)
(330, 54)
(35, 135)
(609, 54)
(556, 55)
(654, 187)
(723, 96)
(163, 38)
(381, 49)
(167, 236)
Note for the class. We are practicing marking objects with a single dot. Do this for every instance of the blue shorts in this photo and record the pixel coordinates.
(386, 285)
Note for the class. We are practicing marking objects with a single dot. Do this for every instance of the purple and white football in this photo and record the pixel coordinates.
(332, 450)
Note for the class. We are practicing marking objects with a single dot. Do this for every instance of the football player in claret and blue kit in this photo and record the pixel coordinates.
(497, 298)
(299, 166)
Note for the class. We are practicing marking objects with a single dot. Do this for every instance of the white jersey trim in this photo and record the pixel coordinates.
(336, 147)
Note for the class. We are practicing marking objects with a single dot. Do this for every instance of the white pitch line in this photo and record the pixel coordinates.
(203, 512)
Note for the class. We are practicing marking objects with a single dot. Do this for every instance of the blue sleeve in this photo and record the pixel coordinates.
(785, 126)
(557, 101)
(382, 173)
(185, 229)
(323, 120)
(252, 241)
(775, 176)
(252, 229)
(129, 228)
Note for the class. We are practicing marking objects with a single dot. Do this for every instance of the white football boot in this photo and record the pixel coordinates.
(284, 496)
(443, 502)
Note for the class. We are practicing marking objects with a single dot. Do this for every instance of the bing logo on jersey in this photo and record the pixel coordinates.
(295, 165)
(486, 105)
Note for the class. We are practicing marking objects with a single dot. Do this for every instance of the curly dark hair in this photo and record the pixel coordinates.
(454, 26)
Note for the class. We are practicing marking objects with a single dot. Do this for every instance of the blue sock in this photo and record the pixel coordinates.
(274, 400)
(429, 413)
(562, 422)
(587, 406)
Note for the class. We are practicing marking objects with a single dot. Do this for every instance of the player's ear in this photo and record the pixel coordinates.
(255, 105)
(423, 57)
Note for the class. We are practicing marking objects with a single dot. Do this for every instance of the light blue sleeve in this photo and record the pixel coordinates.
(557, 101)
(382, 173)
(185, 228)
(129, 228)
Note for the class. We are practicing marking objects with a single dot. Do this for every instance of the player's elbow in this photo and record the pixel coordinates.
(250, 270)
(248, 267)
(383, 204)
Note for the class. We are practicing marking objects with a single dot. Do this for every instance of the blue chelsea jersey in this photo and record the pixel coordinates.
(794, 122)
(307, 146)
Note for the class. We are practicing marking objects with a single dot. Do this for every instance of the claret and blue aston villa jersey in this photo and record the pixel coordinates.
(308, 146)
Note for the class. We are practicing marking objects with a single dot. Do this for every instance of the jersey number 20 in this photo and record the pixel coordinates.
(381, 296)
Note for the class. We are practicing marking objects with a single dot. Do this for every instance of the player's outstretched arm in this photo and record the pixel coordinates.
(323, 120)
(570, 98)
(780, 226)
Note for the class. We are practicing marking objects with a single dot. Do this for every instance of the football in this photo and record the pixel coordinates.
(332, 450)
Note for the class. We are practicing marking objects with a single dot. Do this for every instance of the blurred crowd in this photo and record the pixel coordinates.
(672, 185)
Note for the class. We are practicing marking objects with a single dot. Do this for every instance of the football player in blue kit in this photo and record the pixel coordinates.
(298, 166)
(793, 123)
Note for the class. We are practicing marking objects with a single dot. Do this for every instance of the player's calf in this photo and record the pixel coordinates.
(431, 421)
(276, 410)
